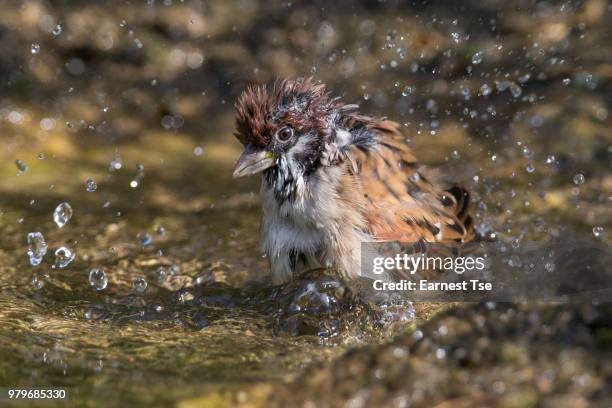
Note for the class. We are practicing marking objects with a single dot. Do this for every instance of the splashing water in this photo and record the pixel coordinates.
(37, 248)
(485, 90)
(408, 90)
(62, 214)
(477, 57)
(63, 257)
(161, 275)
(91, 186)
(515, 89)
(37, 282)
(21, 165)
(140, 285)
(598, 231)
(145, 239)
(98, 279)
(579, 179)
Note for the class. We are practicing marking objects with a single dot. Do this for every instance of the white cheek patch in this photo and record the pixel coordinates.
(300, 145)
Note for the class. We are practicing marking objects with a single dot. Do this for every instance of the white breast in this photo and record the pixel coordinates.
(312, 224)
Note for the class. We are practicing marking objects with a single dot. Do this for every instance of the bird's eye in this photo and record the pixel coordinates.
(284, 134)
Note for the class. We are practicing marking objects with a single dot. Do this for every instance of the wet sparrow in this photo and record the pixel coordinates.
(333, 179)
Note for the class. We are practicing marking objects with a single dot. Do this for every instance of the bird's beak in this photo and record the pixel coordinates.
(252, 162)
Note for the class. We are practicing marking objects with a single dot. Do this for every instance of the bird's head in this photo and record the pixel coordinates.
(287, 126)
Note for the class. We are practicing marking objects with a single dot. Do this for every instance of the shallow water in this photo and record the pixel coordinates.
(167, 344)
(214, 323)
(115, 344)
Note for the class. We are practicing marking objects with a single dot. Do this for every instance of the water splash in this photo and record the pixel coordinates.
(98, 279)
(91, 186)
(63, 257)
(21, 165)
(477, 57)
(140, 285)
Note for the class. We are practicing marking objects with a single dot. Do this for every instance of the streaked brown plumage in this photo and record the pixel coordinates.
(334, 178)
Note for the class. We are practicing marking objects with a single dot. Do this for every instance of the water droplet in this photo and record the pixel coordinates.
(115, 164)
(133, 183)
(41, 156)
(502, 85)
(408, 90)
(160, 230)
(62, 214)
(579, 179)
(146, 239)
(37, 282)
(455, 37)
(477, 57)
(140, 285)
(161, 275)
(35, 49)
(485, 90)
(175, 270)
(530, 168)
(21, 165)
(198, 151)
(98, 279)
(57, 30)
(455, 154)
(566, 81)
(598, 231)
(63, 257)
(37, 248)
(91, 186)
(551, 159)
(515, 89)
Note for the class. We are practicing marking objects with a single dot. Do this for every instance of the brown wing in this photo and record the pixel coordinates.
(401, 202)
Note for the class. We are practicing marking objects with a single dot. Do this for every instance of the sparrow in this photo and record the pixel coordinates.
(333, 179)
